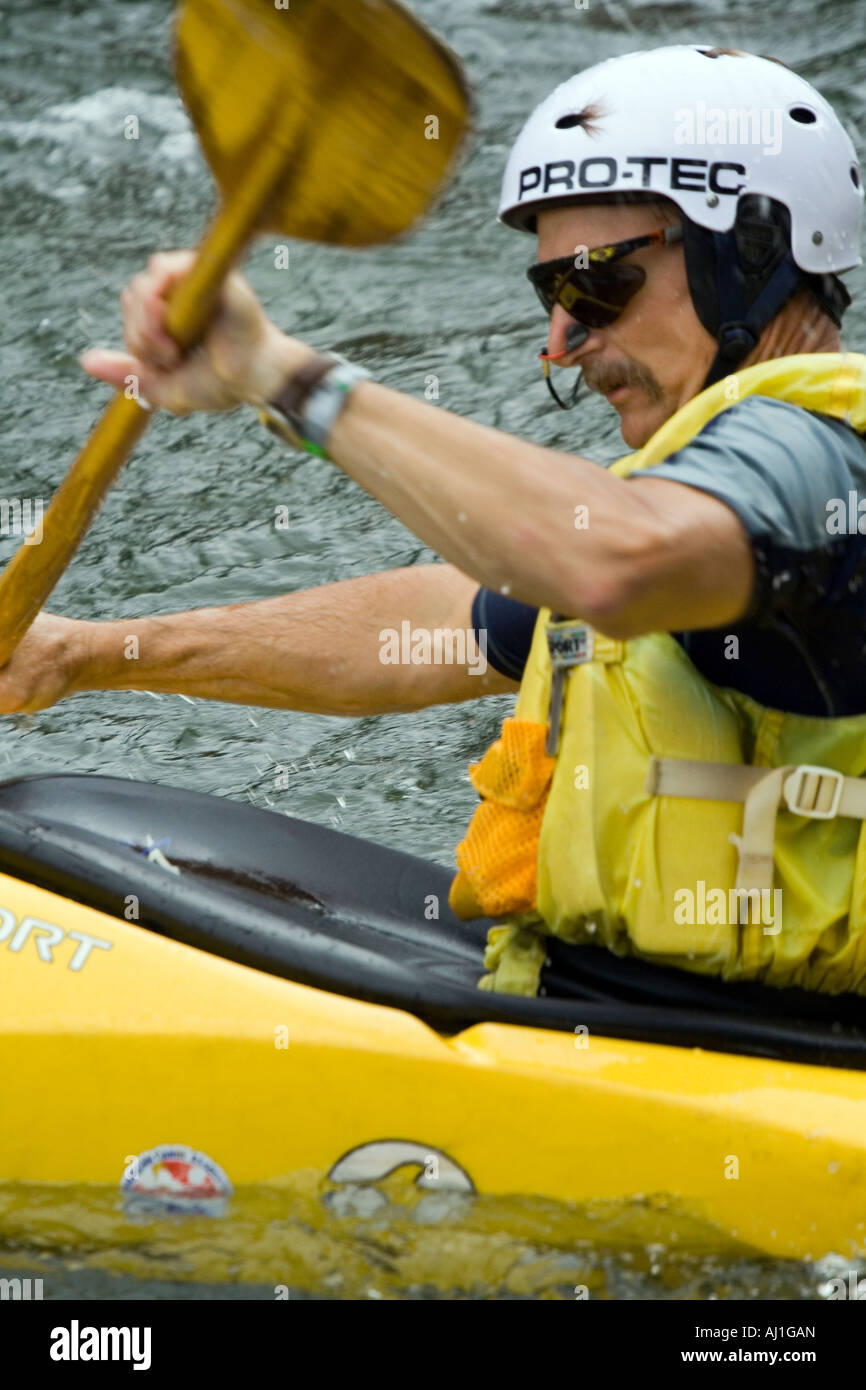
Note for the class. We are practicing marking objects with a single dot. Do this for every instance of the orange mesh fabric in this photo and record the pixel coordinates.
(498, 857)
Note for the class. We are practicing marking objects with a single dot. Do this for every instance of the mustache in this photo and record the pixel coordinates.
(607, 376)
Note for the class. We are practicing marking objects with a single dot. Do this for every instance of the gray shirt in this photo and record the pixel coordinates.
(795, 480)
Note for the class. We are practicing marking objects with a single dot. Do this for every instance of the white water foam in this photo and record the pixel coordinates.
(94, 125)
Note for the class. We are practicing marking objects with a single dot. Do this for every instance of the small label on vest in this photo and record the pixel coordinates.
(569, 644)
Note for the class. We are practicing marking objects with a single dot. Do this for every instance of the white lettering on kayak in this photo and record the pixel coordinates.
(46, 936)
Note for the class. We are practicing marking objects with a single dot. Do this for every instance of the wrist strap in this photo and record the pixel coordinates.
(327, 400)
(305, 410)
(290, 401)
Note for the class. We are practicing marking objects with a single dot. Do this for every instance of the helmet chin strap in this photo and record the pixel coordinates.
(575, 335)
(740, 328)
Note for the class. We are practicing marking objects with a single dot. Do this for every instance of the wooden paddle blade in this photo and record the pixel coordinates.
(335, 121)
(369, 107)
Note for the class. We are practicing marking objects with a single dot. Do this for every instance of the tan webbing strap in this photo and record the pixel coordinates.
(756, 844)
(819, 793)
(700, 780)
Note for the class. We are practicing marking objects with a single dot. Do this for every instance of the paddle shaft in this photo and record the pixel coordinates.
(338, 82)
(34, 570)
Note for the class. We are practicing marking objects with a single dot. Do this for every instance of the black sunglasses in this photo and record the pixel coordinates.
(594, 295)
(597, 293)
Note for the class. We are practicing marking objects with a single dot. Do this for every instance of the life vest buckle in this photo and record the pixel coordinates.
(806, 791)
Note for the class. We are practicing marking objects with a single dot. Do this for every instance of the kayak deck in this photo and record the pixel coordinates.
(188, 1030)
(325, 909)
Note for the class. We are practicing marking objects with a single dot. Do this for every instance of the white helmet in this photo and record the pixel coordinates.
(756, 160)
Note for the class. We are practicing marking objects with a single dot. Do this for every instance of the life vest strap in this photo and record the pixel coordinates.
(572, 642)
(818, 793)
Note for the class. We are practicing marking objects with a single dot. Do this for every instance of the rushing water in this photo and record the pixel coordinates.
(387, 1242)
(190, 523)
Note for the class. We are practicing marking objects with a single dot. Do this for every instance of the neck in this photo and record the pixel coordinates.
(799, 327)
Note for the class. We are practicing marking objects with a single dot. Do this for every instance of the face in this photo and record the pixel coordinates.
(656, 355)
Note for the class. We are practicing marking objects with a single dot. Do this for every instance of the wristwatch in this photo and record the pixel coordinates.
(304, 412)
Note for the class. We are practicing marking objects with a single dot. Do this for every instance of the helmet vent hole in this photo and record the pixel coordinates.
(804, 115)
(855, 175)
(586, 119)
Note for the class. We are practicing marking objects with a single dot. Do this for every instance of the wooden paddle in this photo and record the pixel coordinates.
(334, 121)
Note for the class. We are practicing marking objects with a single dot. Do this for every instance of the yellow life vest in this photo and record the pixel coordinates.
(663, 816)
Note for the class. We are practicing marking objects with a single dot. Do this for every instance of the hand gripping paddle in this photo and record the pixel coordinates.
(334, 121)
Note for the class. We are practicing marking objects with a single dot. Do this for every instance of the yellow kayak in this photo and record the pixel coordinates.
(199, 996)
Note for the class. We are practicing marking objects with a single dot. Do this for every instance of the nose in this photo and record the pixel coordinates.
(566, 338)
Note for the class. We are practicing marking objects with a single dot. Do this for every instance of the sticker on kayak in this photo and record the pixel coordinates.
(174, 1180)
(374, 1161)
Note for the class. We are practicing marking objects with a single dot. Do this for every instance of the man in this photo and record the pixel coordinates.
(603, 802)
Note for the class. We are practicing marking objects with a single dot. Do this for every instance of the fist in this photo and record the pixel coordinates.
(46, 665)
(235, 362)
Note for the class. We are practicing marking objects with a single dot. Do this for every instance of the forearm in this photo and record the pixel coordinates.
(499, 508)
(546, 527)
(318, 650)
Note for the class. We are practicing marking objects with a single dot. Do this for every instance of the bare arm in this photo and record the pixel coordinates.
(318, 650)
(652, 556)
